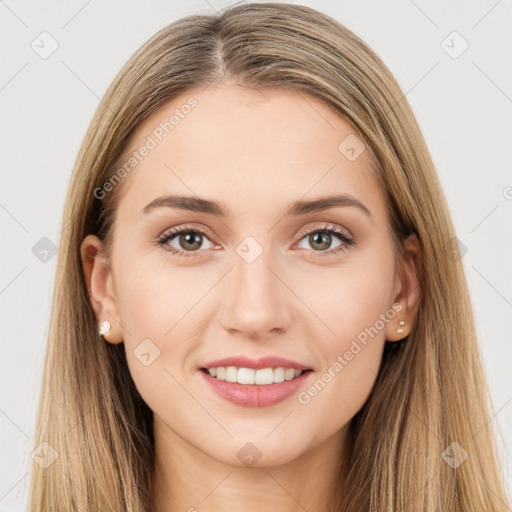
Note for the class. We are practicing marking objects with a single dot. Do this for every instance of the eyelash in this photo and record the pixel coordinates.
(347, 241)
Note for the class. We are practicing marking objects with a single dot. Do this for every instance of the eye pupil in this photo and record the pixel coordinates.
(320, 237)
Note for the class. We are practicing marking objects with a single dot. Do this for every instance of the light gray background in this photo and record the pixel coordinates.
(463, 104)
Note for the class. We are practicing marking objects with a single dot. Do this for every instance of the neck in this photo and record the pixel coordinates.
(189, 480)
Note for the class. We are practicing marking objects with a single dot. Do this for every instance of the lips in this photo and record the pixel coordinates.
(248, 395)
(256, 364)
(258, 390)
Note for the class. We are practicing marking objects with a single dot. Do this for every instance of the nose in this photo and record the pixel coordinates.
(257, 304)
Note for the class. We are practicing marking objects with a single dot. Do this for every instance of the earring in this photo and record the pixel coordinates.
(400, 330)
(104, 328)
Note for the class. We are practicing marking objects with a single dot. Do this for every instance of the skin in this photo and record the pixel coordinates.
(256, 153)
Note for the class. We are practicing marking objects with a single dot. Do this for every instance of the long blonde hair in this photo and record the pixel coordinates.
(428, 395)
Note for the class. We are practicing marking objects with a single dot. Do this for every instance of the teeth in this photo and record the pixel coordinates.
(260, 377)
(245, 376)
(231, 374)
(278, 374)
(264, 376)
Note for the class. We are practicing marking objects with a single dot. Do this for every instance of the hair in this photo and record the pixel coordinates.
(427, 395)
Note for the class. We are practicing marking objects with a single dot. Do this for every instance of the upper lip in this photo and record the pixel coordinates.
(256, 364)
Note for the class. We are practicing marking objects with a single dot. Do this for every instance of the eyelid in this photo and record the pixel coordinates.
(184, 227)
(326, 226)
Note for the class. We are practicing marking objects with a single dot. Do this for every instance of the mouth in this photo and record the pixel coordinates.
(249, 387)
(251, 376)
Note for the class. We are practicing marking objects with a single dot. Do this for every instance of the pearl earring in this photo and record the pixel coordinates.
(400, 330)
(104, 328)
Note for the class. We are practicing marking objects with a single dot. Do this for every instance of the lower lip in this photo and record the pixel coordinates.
(253, 395)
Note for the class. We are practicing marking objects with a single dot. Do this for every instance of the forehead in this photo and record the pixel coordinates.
(248, 149)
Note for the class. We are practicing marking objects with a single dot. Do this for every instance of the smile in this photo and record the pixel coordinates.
(255, 388)
(261, 377)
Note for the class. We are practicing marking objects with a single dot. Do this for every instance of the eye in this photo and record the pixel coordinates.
(320, 239)
(189, 240)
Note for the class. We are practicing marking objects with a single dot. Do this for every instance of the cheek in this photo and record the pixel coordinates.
(350, 358)
(156, 299)
(161, 314)
(352, 298)
(355, 308)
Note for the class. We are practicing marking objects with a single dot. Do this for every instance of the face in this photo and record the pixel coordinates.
(187, 286)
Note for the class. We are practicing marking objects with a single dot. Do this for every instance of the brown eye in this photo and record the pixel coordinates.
(185, 241)
(190, 241)
(320, 240)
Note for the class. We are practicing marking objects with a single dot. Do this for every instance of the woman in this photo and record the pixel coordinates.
(259, 302)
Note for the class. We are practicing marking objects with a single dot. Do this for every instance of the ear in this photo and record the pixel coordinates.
(407, 290)
(100, 286)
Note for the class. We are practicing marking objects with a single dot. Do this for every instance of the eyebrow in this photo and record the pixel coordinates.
(200, 205)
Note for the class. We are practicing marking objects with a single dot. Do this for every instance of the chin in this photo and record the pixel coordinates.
(256, 451)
